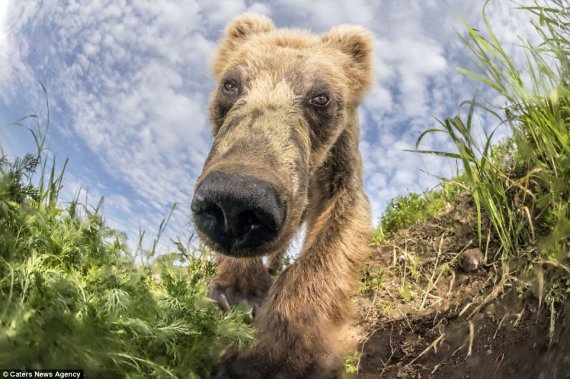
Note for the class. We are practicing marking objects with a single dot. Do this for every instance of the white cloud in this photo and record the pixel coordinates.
(3, 20)
(9, 54)
(220, 12)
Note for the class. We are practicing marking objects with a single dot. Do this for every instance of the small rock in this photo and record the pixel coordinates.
(470, 260)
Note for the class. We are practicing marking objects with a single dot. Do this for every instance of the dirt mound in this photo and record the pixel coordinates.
(433, 305)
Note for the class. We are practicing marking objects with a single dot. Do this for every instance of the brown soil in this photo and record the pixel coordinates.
(424, 316)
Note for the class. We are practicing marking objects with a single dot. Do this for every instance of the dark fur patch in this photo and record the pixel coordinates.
(322, 120)
(255, 114)
(229, 126)
(335, 168)
(224, 101)
(296, 80)
(298, 142)
(302, 170)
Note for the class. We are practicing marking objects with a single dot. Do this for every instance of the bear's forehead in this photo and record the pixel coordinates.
(299, 74)
(287, 47)
(302, 65)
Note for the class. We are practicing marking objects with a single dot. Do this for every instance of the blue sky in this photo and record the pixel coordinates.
(129, 82)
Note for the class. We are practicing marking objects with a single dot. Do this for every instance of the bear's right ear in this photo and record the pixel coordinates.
(239, 29)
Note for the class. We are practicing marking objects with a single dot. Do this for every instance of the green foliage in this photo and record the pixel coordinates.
(411, 209)
(371, 283)
(73, 296)
(523, 185)
(405, 293)
(351, 363)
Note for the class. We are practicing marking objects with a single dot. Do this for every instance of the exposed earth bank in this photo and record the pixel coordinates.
(434, 305)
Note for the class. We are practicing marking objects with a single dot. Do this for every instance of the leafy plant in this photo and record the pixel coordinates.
(72, 295)
(523, 185)
(411, 209)
(370, 283)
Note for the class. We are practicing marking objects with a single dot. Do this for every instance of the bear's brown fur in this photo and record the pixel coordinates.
(289, 117)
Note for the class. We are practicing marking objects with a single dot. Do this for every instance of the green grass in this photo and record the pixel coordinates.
(524, 184)
(520, 186)
(407, 210)
(72, 295)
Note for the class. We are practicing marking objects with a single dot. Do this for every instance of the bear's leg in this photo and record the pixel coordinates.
(275, 261)
(307, 309)
(239, 280)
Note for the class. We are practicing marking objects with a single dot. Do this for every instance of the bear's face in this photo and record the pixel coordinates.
(282, 99)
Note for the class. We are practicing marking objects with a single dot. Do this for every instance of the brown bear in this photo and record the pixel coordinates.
(285, 152)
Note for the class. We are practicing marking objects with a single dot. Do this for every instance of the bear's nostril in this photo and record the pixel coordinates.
(246, 222)
(209, 213)
(213, 211)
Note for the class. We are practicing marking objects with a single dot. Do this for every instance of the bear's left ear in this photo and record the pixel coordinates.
(239, 30)
(357, 43)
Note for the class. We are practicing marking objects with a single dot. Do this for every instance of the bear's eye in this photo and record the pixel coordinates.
(231, 87)
(320, 100)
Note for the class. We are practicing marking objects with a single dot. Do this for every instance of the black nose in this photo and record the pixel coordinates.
(237, 213)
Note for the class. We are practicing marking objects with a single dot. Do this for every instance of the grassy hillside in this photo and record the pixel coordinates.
(72, 295)
(523, 184)
(473, 280)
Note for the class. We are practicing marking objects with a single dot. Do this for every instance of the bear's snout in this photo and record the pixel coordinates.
(237, 214)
